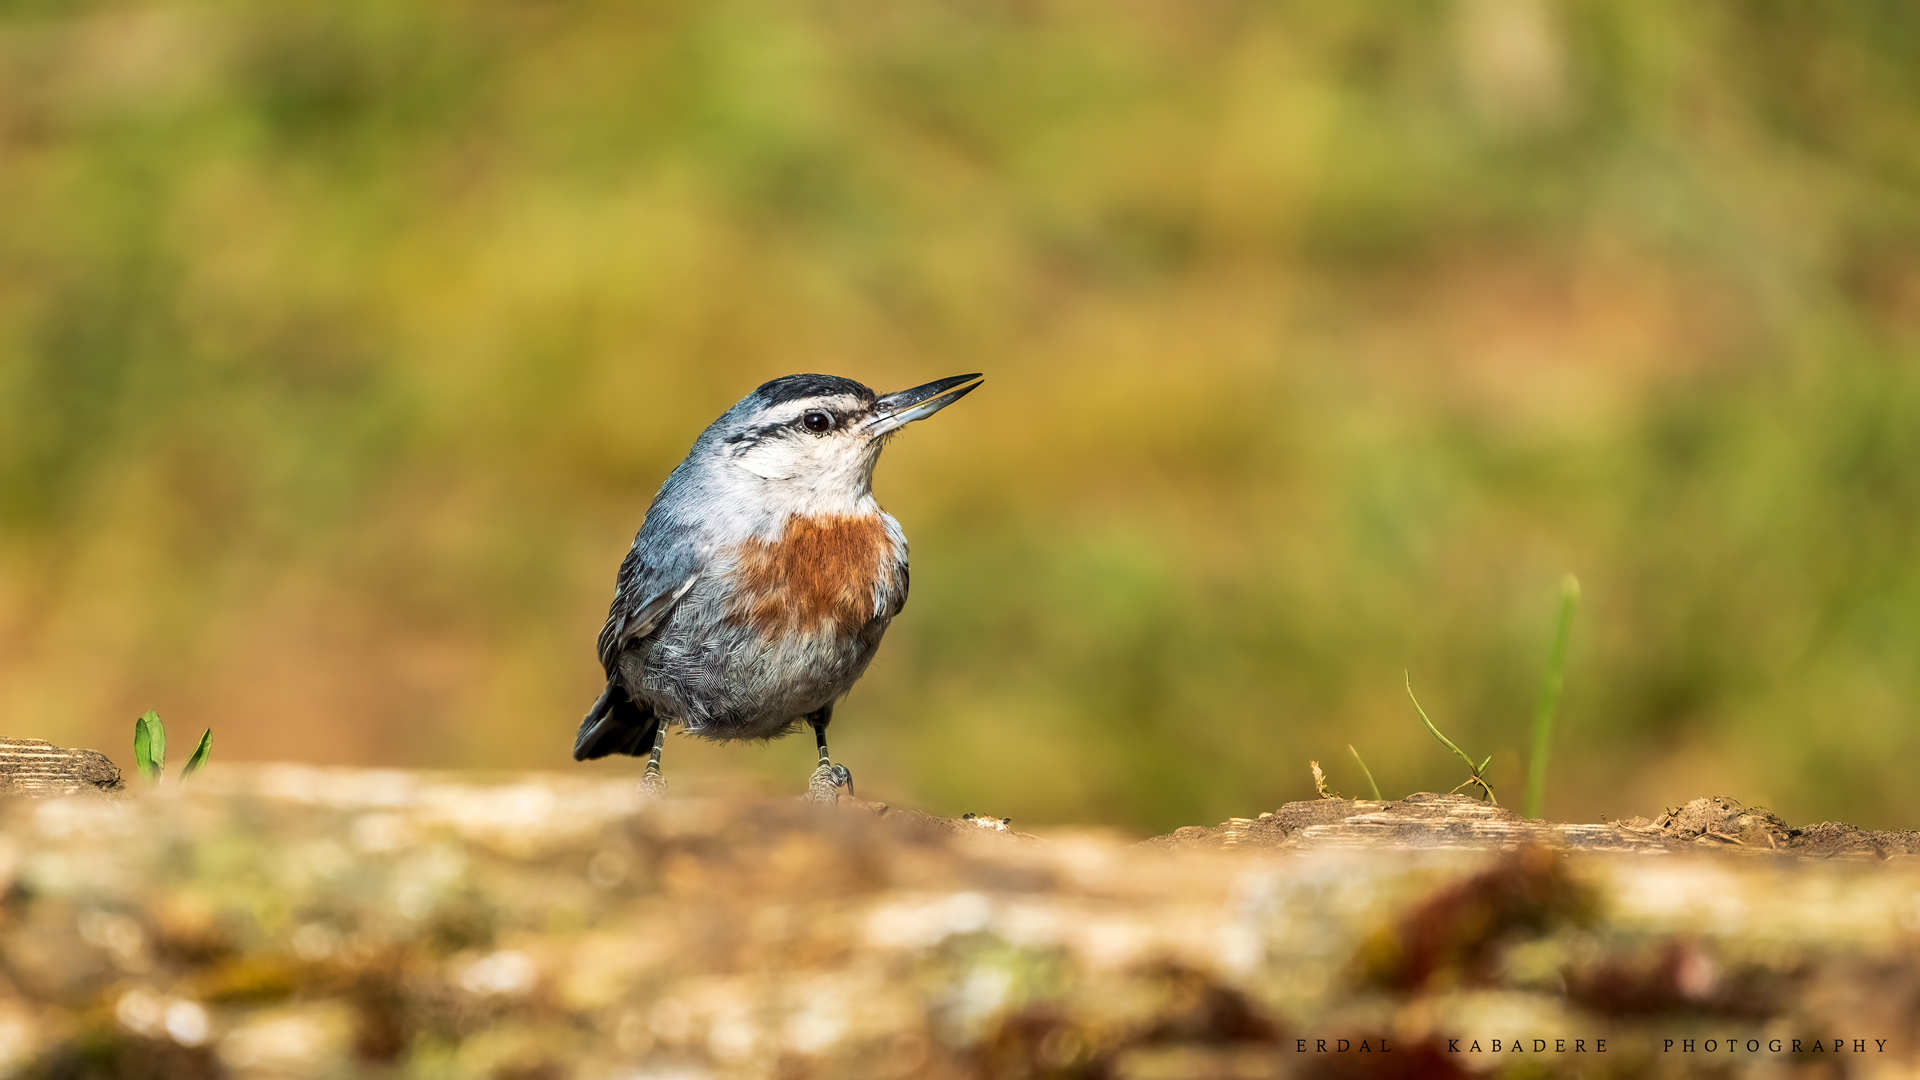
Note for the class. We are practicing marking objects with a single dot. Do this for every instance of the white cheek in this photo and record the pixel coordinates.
(808, 478)
(772, 460)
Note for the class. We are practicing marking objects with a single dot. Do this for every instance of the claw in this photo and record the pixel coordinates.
(823, 786)
(826, 783)
(653, 785)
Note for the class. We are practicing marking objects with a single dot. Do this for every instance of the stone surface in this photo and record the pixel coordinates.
(34, 768)
(287, 922)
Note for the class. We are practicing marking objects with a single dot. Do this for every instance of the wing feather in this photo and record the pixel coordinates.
(650, 586)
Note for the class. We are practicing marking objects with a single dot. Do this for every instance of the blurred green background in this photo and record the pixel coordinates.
(344, 342)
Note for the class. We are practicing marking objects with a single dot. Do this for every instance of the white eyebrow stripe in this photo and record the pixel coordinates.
(793, 410)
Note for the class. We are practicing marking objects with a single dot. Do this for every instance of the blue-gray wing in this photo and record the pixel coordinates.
(900, 584)
(653, 578)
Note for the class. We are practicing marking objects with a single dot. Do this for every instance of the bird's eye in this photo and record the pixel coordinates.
(818, 422)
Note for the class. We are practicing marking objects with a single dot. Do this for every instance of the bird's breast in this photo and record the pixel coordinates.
(821, 572)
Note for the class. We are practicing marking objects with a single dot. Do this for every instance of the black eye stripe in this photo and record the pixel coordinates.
(787, 428)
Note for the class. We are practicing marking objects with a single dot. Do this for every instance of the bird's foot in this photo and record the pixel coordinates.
(653, 785)
(825, 784)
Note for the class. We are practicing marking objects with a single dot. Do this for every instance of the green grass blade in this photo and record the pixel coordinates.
(1448, 743)
(1548, 708)
(150, 746)
(1473, 771)
(200, 755)
(1367, 771)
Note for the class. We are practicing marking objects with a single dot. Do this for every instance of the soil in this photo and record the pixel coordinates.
(1426, 820)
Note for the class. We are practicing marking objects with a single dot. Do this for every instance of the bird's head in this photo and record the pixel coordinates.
(814, 439)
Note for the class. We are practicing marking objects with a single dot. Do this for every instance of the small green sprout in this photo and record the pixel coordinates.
(150, 749)
(1475, 772)
(199, 756)
(150, 746)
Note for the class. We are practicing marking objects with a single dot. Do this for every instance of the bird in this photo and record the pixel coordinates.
(762, 578)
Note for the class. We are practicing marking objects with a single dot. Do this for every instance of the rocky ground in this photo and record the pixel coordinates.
(292, 922)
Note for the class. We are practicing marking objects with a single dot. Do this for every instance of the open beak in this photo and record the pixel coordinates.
(897, 410)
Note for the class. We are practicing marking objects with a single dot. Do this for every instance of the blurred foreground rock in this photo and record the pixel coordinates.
(289, 922)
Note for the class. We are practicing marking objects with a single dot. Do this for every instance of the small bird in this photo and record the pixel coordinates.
(759, 586)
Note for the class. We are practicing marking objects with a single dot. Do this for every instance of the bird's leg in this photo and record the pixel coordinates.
(652, 784)
(827, 780)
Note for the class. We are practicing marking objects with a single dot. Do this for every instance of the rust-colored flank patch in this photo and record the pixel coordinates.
(820, 570)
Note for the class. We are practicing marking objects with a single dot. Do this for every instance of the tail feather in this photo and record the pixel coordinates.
(615, 725)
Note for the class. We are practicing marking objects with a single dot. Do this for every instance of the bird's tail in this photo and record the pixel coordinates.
(615, 725)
